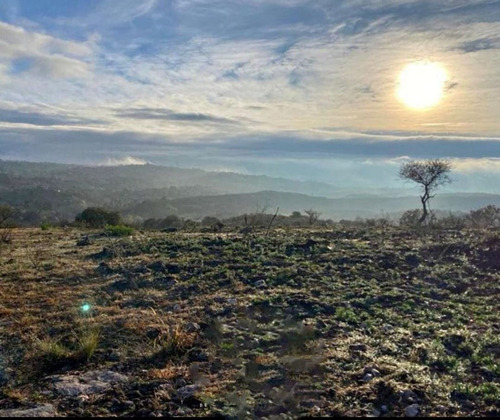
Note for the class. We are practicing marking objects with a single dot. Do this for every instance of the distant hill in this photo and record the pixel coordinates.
(148, 177)
(48, 191)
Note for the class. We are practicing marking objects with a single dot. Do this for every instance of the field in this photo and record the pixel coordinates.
(345, 321)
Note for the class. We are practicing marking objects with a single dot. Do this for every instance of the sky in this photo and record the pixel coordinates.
(302, 89)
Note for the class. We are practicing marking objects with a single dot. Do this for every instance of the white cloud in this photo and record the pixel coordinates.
(127, 160)
(46, 55)
(490, 165)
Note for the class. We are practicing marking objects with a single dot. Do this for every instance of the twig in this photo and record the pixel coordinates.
(271, 222)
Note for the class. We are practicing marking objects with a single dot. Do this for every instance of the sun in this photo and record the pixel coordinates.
(421, 85)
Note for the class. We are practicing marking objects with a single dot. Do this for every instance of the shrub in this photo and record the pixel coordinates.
(97, 217)
(171, 221)
(45, 226)
(6, 213)
(209, 221)
(486, 217)
(410, 218)
(119, 230)
(450, 221)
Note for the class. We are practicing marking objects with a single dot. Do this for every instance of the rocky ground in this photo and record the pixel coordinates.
(359, 321)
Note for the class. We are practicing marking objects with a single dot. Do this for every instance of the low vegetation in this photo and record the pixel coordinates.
(355, 318)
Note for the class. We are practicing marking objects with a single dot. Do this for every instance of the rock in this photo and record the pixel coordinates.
(260, 283)
(84, 241)
(412, 410)
(197, 355)
(123, 284)
(92, 382)
(157, 266)
(357, 347)
(321, 324)
(232, 301)
(409, 396)
(372, 370)
(216, 366)
(41, 410)
(487, 374)
(173, 268)
(114, 356)
(387, 328)
(376, 413)
(141, 269)
(384, 409)
(104, 269)
(143, 412)
(187, 391)
(192, 327)
(368, 377)
(177, 308)
(441, 408)
(180, 383)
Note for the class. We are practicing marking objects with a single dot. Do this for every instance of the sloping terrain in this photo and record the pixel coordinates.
(300, 322)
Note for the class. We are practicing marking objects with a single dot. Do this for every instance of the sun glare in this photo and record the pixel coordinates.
(421, 85)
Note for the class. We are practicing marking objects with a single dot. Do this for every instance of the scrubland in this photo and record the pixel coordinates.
(292, 322)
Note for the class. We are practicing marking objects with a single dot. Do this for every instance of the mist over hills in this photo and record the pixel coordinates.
(54, 192)
(228, 205)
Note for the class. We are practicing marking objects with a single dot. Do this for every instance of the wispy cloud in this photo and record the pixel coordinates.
(167, 115)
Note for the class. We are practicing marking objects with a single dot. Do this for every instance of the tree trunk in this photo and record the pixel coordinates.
(424, 200)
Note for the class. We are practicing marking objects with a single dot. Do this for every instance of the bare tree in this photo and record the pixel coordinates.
(430, 174)
(313, 216)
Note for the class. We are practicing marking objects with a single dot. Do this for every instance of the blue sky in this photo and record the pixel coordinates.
(302, 89)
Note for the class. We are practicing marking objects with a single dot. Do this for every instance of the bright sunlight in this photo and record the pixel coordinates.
(421, 85)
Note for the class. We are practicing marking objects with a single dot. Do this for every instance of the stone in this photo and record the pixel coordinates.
(441, 408)
(84, 241)
(92, 382)
(41, 410)
(384, 409)
(192, 327)
(260, 283)
(376, 413)
(180, 383)
(412, 410)
(187, 391)
(387, 328)
(409, 396)
(216, 366)
(232, 301)
(368, 377)
(157, 266)
(177, 308)
(357, 347)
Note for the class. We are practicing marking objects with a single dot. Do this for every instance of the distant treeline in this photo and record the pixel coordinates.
(96, 217)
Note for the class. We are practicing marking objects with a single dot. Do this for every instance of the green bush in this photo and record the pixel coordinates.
(97, 217)
(119, 230)
(45, 226)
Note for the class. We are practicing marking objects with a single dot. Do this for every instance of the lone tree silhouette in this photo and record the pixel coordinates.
(430, 174)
